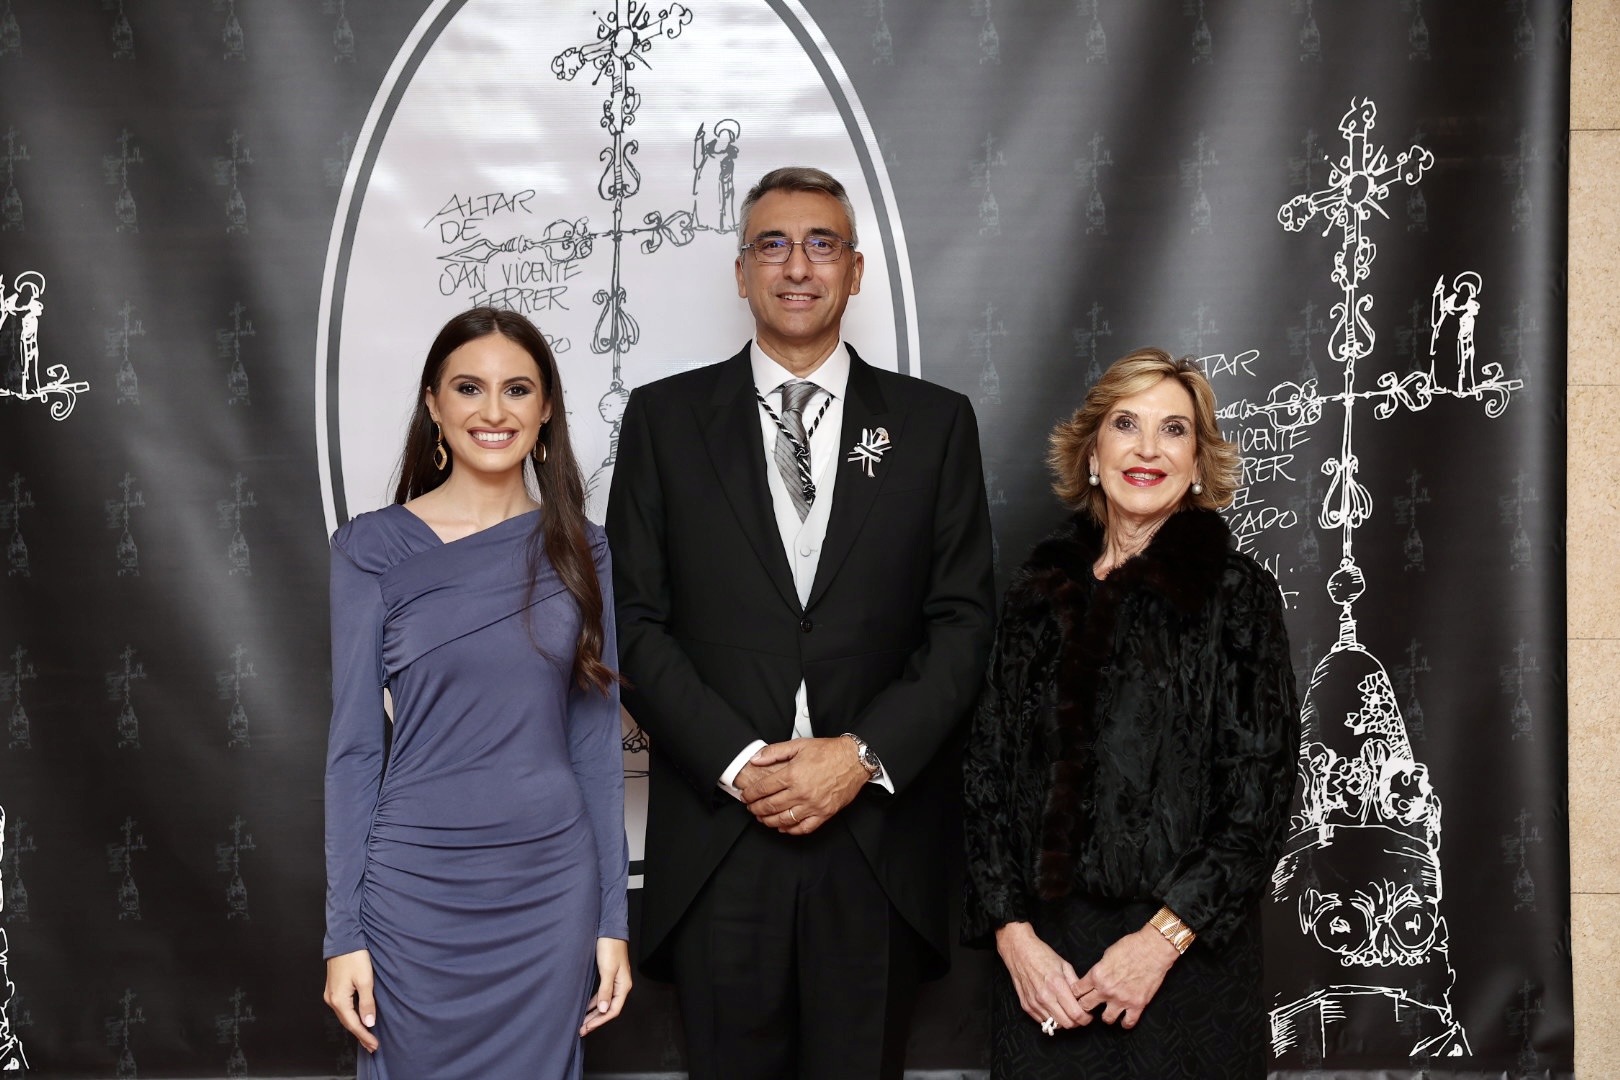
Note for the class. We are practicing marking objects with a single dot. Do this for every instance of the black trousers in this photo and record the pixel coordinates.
(792, 962)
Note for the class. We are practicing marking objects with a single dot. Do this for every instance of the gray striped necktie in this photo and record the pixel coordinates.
(792, 451)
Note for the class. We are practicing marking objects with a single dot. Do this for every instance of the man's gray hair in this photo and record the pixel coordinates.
(798, 178)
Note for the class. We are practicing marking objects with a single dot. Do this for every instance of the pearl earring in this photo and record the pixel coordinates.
(1197, 487)
(1093, 479)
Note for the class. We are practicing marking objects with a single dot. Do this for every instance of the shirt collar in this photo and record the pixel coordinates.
(832, 376)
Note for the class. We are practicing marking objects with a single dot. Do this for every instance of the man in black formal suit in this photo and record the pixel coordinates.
(801, 553)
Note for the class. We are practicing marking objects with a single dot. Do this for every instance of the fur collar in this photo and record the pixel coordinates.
(1183, 564)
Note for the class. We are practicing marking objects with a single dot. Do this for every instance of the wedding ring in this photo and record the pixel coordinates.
(792, 815)
(1049, 1026)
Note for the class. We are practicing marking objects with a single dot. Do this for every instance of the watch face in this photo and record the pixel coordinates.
(870, 760)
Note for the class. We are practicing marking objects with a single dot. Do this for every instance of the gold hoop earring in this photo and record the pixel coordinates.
(441, 456)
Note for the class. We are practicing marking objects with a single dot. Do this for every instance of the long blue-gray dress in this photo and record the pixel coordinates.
(476, 848)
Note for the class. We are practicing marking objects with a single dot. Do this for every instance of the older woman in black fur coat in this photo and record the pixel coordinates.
(1130, 765)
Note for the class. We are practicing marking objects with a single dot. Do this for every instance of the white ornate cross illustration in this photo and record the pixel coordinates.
(1357, 183)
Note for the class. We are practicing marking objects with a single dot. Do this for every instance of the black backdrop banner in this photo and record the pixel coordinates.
(228, 229)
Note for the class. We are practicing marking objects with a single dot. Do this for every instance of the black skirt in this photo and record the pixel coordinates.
(1207, 1022)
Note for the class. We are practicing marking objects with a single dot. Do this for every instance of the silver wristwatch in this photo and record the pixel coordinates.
(865, 755)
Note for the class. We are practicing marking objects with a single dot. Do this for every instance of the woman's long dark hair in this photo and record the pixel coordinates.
(560, 533)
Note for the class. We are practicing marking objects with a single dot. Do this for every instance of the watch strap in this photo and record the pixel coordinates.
(865, 755)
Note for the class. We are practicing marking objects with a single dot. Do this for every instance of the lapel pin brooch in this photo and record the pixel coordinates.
(869, 451)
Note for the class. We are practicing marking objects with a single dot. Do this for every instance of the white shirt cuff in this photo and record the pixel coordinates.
(728, 779)
(882, 780)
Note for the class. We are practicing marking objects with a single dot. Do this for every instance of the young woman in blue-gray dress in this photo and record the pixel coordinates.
(476, 861)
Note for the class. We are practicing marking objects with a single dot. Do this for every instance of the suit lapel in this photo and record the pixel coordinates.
(731, 432)
(864, 409)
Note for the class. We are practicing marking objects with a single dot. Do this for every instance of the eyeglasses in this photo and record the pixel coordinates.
(775, 250)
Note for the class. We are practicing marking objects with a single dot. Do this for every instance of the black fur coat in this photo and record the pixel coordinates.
(1136, 736)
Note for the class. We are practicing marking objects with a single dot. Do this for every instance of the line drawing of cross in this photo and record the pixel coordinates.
(120, 682)
(228, 344)
(11, 517)
(1089, 173)
(117, 341)
(1087, 340)
(118, 510)
(230, 517)
(1357, 183)
(1202, 330)
(229, 1027)
(1192, 176)
(116, 168)
(228, 173)
(119, 1030)
(982, 172)
(625, 36)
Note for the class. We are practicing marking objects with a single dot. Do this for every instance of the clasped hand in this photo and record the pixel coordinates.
(795, 787)
(1121, 983)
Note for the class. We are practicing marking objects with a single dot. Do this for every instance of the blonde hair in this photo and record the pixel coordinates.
(1073, 441)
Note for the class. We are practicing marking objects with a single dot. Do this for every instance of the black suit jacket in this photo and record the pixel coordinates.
(714, 642)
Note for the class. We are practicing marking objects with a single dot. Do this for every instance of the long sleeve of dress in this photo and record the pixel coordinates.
(596, 753)
(1251, 782)
(354, 752)
(1002, 795)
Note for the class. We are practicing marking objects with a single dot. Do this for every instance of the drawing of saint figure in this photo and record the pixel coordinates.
(28, 312)
(1462, 301)
(718, 147)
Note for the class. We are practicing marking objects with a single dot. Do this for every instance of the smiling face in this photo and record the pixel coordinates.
(1147, 454)
(798, 305)
(490, 405)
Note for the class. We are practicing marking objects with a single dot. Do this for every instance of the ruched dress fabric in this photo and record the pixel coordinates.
(1134, 747)
(476, 846)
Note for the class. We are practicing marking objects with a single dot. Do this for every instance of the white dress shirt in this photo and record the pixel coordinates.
(801, 541)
